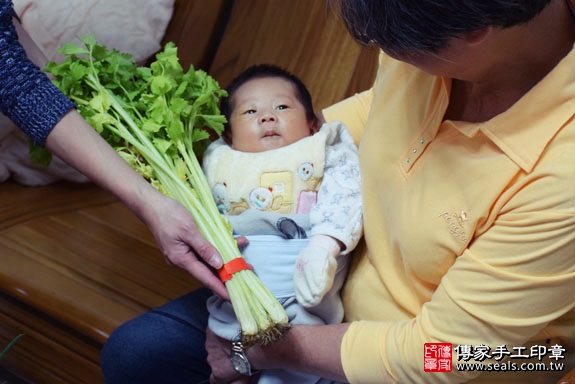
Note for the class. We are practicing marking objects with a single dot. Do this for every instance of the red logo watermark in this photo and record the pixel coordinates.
(437, 357)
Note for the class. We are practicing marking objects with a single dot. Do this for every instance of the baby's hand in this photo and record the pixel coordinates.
(315, 270)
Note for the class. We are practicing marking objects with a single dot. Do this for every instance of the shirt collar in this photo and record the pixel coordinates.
(524, 130)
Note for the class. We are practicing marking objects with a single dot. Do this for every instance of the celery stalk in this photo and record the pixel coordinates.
(156, 118)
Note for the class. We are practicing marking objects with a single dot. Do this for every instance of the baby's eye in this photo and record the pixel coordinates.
(282, 107)
(250, 112)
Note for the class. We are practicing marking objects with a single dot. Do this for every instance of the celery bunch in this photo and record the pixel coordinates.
(160, 119)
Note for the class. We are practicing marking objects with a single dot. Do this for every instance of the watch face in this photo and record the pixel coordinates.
(240, 363)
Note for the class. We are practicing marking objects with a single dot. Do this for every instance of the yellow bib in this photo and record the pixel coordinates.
(283, 180)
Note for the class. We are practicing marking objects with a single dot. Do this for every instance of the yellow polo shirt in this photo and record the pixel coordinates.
(469, 227)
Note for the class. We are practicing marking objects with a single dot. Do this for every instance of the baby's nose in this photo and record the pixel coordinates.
(267, 117)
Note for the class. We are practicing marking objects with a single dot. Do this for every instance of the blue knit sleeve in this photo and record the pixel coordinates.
(27, 96)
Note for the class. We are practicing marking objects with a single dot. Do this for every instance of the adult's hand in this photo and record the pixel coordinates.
(306, 348)
(173, 227)
(219, 360)
(182, 244)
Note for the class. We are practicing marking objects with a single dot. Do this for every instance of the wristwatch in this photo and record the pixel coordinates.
(239, 359)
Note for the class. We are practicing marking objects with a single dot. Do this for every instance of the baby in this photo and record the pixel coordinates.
(293, 189)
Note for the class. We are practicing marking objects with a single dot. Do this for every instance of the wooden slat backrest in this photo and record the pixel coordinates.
(305, 37)
(196, 28)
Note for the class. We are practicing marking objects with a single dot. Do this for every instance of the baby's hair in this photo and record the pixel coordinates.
(262, 71)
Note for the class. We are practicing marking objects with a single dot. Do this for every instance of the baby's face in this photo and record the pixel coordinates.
(267, 115)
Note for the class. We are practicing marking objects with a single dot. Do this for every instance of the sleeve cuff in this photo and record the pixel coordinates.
(42, 111)
(363, 352)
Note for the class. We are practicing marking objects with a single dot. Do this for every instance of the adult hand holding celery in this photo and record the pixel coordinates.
(160, 119)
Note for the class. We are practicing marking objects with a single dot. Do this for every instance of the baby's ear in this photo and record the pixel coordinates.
(315, 125)
(227, 136)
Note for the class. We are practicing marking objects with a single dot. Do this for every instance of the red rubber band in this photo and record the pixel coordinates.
(234, 265)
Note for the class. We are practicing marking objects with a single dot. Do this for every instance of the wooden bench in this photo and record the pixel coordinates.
(76, 263)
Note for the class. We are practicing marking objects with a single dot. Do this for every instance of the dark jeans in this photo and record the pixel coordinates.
(165, 345)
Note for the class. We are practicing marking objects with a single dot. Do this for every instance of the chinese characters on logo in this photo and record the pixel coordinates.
(438, 358)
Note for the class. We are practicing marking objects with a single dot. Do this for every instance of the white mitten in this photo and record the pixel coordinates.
(315, 270)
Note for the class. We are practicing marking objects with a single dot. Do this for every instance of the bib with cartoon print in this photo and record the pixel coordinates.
(283, 180)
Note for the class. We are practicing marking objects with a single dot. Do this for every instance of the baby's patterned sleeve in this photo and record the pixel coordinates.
(338, 212)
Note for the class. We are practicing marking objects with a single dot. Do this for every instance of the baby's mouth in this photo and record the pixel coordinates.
(270, 134)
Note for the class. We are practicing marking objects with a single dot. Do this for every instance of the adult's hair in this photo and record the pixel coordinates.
(426, 26)
(258, 72)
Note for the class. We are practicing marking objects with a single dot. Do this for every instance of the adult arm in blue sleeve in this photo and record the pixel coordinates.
(49, 118)
(27, 96)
